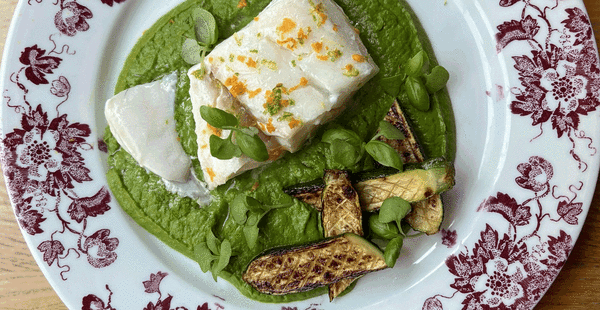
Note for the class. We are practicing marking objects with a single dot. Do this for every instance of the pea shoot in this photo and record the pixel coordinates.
(207, 34)
(213, 254)
(241, 140)
(247, 211)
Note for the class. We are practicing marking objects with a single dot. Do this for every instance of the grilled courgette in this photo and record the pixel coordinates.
(418, 182)
(341, 214)
(427, 215)
(299, 269)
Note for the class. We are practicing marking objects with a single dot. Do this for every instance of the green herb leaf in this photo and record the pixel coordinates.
(204, 256)
(217, 117)
(205, 26)
(345, 153)
(212, 242)
(384, 154)
(394, 209)
(417, 94)
(437, 79)
(223, 148)
(345, 145)
(417, 65)
(254, 218)
(389, 131)
(252, 146)
(238, 209)
(251, 234)
(191, 52)
(386, 231)
(391, 85)
(341, 134)
(223, 259)
(392, 251)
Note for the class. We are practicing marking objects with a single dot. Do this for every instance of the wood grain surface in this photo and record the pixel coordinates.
(23, 286)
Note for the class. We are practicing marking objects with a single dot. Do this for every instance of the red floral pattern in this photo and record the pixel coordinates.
(93, 302)
(43, 159)
(501, 271)
(561, 78)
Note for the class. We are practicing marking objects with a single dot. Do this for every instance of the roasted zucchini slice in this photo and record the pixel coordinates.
(341, 207)
(427, 215)
(299, 269)
(418, 182)
(341, 214)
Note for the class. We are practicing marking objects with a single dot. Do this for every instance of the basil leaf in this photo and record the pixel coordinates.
(341, 134)
(252, 146)
(417, 65)
(392, 251)
(384, 154)
(251, 234)
(223, 259)
(391, 85)
(345, 153)
(205, 26)
(389, 131)
(437, 79)
(191, 52)
(394, 209)
(223, 148)
(417, 94)
(385, 231)
(217, 117)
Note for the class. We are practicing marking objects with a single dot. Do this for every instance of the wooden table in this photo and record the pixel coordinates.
(22, 285)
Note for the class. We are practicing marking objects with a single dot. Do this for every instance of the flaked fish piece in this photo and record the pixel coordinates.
(205, 90)
(293, 67)
(142, 120)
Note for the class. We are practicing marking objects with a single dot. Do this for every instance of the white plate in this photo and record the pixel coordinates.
(524, 83)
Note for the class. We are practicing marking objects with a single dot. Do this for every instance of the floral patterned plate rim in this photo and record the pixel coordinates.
(525, 86)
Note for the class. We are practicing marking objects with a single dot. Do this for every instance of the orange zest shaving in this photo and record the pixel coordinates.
(211, 174)
(293, 123)
(241, 58)
(270, 127)
(215, 131)
(317, 47)
(286, 26)
(303, 82)
(358, 58)
(242, 4)
(251, 63)
(235, 86)
(252, 94)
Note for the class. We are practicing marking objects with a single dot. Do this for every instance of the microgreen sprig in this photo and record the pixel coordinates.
(348, 148)
(247, 211)
(213, 254)
(207, 34)
(246, 141)
(387, 224)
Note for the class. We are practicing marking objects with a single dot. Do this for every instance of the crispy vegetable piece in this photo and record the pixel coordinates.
(341, 214)
(426, 216)
(299, 269)
(418, 182)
